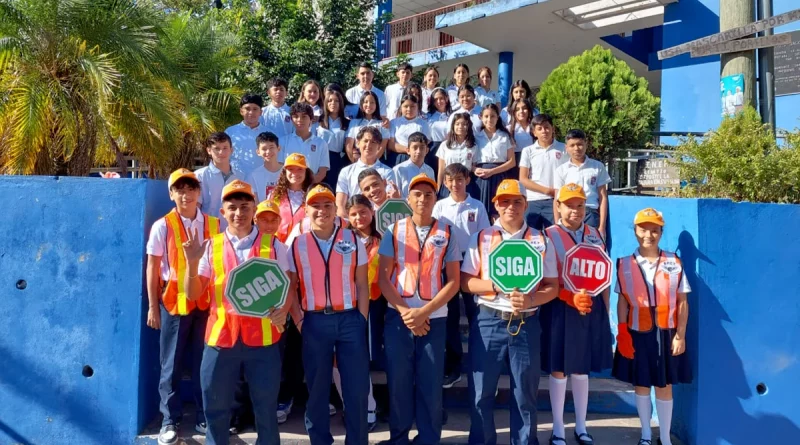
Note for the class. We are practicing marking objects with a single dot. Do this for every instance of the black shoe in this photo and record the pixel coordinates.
(451, 380)
(236, 426)
(201, 427)
(560, 440)
(584, 438)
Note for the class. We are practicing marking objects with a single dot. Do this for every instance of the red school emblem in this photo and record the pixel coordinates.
(558, 155)
(287, 118)
(594, 180)
(472, 216)
(314, 148)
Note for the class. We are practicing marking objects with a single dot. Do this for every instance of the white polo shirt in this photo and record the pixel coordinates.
(263, 181)
(522, 137)
(393, 95)
(157, 242)
(542, 164)
(405, 171)
(336, 145)
(348, 178)
(277, 120)
(465, 217)
(485, 97)
(452, 94)
(590, 175)
(437, 122)
(353, 95)
(474, 117)
(401, 128)
(493, 149)
(315, 149)
(356, 124)
(241, 247)
(650, 270)
(243, 140)
(426, 94)
(211, 183)
(505, 116)
(459, 153)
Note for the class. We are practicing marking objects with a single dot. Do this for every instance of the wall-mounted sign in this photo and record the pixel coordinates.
(787, 67)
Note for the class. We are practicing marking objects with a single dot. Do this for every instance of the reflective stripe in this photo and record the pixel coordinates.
(217, 250)
(562, 241)
(400, 251)
(664, 299)
(301, 251)
(265, 251)
(327, 282)
(419, 262)
(176, 227)
(347, 264)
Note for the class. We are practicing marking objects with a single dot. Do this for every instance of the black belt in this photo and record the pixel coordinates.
(491, 162)
(505, 315)
(330, 311)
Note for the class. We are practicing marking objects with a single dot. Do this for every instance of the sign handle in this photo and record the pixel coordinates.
(583, 291)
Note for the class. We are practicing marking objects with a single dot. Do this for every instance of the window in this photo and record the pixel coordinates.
(446, 39)
(403, 46)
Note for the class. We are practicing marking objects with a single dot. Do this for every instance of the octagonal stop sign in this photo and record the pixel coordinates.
(390, 211)
(515, 264)
(256, 287)
(586, 267)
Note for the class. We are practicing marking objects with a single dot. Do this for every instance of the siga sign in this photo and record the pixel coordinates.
(256, 287)
(389, 212)
(516, 264)
(586, 267)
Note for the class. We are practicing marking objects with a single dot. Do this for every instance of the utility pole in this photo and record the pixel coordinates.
(732, 14)
(766, 71)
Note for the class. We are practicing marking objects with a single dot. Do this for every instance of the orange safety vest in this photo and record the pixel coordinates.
(336, 288)
(288, 218)
(174, 296)
(490, 237)
(563, 241)
(373, 259)
(415, 268)
(644, 307)
(224, 325)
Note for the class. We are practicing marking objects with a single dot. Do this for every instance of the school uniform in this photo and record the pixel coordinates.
(491, 346)
(212, 180)
(236, 344)
(277, 120)
(474, 117)
(415, 365)
(522, 139)
(393, 95)
(426, 94)
(355, 127)
(492, 152)
(542, 164)
(400, 129)
(651, 291)
(458, 154)
(315, 149)
(437, 122)
(338, 157)
(263, 181)
(348, 178)
(485, 97)
(243, 140)
(505, 116)
(452, 94)
(377, 306)
(317, 112)
(292, 208)
(332, 325)
(406, 171)
(353, 95)
(590, 175)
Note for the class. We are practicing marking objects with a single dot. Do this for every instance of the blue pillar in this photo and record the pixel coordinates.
(505, 70)
(384, 37)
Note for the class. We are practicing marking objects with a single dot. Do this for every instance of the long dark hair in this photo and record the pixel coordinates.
(500, 125)
(432, 102)
(282, 189)
(340, 112)
(451, 135)
(520, 83)
(512, 127)
(359, 199)
(410, 98)
(376, 114)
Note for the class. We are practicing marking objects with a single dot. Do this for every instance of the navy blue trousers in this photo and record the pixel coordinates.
(179, 337)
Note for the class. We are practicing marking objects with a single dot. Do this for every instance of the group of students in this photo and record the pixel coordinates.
(360, 299)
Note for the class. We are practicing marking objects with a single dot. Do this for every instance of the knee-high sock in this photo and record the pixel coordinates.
(371, 400)
(664, 411)
(558, 392)
(580, 395)
(645, 409)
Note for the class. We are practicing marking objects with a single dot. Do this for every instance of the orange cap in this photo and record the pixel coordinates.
(180, 174)
(267, 206)
(570, 191)
(649, 215)
(318, 192)
(509, 187)
(296, 160)
(237, 186)
(422, 178)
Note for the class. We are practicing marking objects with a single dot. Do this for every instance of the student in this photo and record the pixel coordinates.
(484, 94)
(217, 174)
(243, 135)
(413, 89)
(233, 342)
(460, 79)
(467, 216)
(368, 116)
(394, 92)
(589, 174)
(374, 187)
(577, 339)
(415, 165)
(506, 329)
(520, 127)
(413, 254)
(264, 178)
(329, 263)
(438, 104)
(369, 140)
(495, 154)
(310, 94)
(430, 81)
(537, 170)
(276, 116)
(289, 193)
(404, 126)
(303, 141)
(467, 105)
(365, 74)
(651, 349)
(334, 120)
(459, 148)
(519, 91)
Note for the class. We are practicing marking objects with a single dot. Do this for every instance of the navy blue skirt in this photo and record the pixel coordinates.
(575, 343)
(337, 164)
(431, 158)
(653, 363)
(486, 188)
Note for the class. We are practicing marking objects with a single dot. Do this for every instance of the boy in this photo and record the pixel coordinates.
(265, 178)
(537, 171)
(507, 328)
(235, 343)
(369, 141)
(217, 174)
(303, 141)
(413, 253)
(180, 320)
(590, 174)
(329, 263)
(353, 95)
(243, 135)
(268, 217)
(466, 215)
(394, 92)
(276, 117)
(373, 186)
(415, 165)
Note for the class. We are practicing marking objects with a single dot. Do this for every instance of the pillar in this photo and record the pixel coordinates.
(732, 14)
(505, 71)
(384, 36)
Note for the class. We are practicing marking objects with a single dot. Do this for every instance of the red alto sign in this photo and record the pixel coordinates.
(586, 267)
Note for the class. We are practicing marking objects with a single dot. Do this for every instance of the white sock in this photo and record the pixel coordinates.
(664, 411)
(580, 395)
(371, 400)
(645, 409)
(337, 380)
(558, 392)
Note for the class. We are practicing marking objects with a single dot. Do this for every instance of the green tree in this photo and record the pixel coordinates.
(604, 97)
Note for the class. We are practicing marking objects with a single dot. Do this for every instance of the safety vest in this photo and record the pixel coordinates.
(563, 241)
(373, 259)
(174, 296)
(335, 288)
(419, 269)
(644, 307)
(490, 237)
(288, 218)
(225, 326)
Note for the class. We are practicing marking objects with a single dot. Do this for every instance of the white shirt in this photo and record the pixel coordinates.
(243, 139)
(393, 95)
(485, 97)
(277, 120)
(492, 149)
(315, 149)
(157, 242)
(336, 145)
(472, 266)
(437, 122)
(211, 183)
(356, 124)
(405, 171)
(348, 178)
(474, 117)
(542, 164)
(263, 181)
(465, 217)
(649, 270)
(353, 95)
(522, 137)
(401, 128)
(452, 94)
(325, 247)
(459, 153)
(426, 94)
(241, 247)
(505, 116)
(590, 175)
(324, 134)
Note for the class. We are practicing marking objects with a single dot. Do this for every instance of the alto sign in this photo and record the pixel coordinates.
(586, 267)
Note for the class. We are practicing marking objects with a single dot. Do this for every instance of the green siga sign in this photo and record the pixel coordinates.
(390, 211)
(257, 286)
(515, 264)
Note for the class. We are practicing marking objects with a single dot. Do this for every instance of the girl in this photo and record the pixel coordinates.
(460, 79)
(519, 90)
(334, 120)
(576, 333)
(466, 97)
(290, 192)
(520, 126)
(402, 127)
(309, 94)
(368, 115)
(483, 92)
(413, 89)
(459, 148)
(437, 117)
(653, 311)
(495, 154)
(430, 83)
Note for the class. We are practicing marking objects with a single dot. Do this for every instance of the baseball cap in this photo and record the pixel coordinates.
(179, 174)
(237, 186)
(509, 187)
(570, 191)
(268, 206)
(318, 192)
(420, 179)
(649, 215)
(295, 160)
